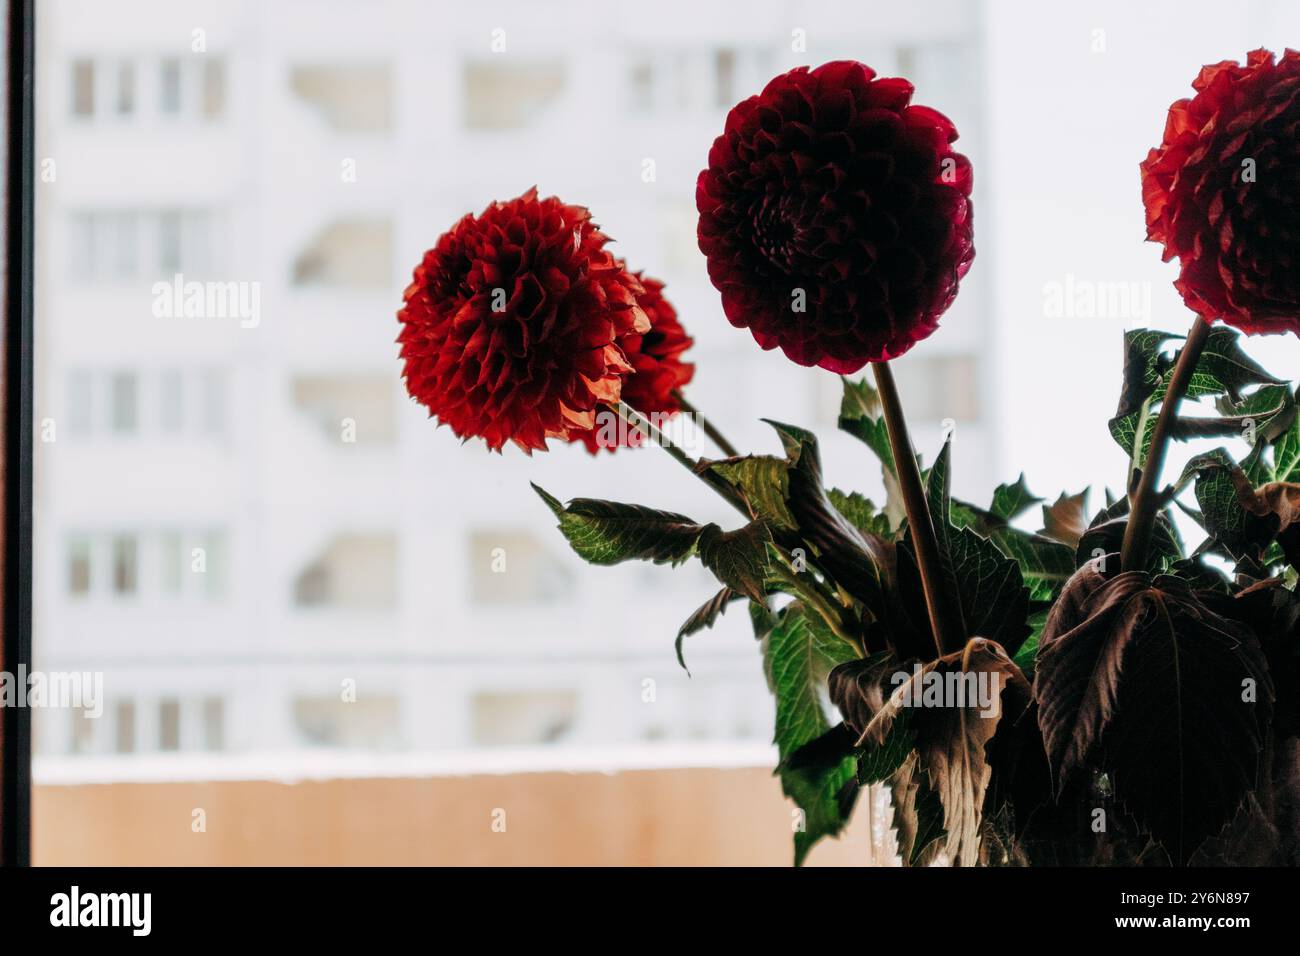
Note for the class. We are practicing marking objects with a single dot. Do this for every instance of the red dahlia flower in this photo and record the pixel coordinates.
(836, 217)
(510, 326)
(657, 368)
(1222, 193)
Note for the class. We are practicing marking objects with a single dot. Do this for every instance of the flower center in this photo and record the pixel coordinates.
(773, 233)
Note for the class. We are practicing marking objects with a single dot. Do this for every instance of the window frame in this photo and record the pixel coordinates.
(16, 636)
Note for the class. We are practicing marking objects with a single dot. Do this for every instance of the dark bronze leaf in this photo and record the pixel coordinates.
(1138, 677)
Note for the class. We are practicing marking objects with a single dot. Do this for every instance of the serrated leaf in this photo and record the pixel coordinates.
(860, 416)
(1105, 535)
(853, 559)
(1042, 561)
(879, 761)
(990, 588)
(1223, 368)
(1025, 657)
(995, 602)
(1138, 678)
(860, 512)
(1221, 486)
(918, 814)
(1144, 366)
(706, 615)
(1011, 501)
(1132, 432)
(951, 736)
(737, 558)
(793, 439)
(764, 482)
(798, 656)
(1065, 520)
(1286, 453)
(991, 591)
(609, 532)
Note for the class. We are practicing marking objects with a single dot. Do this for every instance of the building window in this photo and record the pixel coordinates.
(365, 400)
(83, 733)
(350, 99)
(169, 724)
(83, 88)
(171, 558)
(125, 245)
(125, 564)
(171, 401)
(79, 563)
(514, 567)
(81, 406)
(641, 81)
(214, 87)
(353, 571)
(370, 722)
(214, 573)
(501, 96)
(355, 253)
(214, 723)
(724, 78)
(169, 242)
(122, 403)
(212, 386)
(169, 87)
(125, 99)
(124, 718)
(523, 718)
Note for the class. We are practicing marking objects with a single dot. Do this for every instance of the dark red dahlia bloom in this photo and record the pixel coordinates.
(510, 325)
(836, 217)
(657, 368)
(1222, 193)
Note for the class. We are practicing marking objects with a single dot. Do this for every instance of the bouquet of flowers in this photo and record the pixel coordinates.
(1097, 691)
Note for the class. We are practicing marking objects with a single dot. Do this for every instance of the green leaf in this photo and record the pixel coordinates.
(1011, 501)
(994, 600)
(793, 439)
(1106, 532)
(878, 762)
(1224, 368)
(855, 560)
(861, 417)
(1263, 415)
(705, 616)
(1041, 560)
(1028, 653)
(798, 656)
(1145, 364)
(936, 491)
(737, 558)
(1220, 485)
(1132, 432)
(989, 585)
(1286, 452)
(609, 532)
(860, 512)
(918, 812)
(765, 483)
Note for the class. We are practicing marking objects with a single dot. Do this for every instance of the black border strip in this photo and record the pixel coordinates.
(20, 133)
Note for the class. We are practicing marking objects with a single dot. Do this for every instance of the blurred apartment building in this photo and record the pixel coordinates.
(243, 521)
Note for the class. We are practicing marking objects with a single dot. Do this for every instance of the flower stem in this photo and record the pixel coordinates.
(945, 616)
(706, 426)
(634, 419)
(1144, 503)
